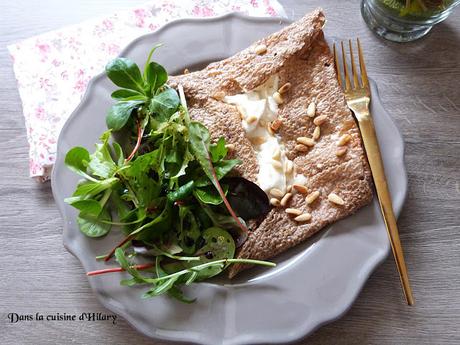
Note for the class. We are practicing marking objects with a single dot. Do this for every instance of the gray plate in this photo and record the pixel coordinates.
(313, 283)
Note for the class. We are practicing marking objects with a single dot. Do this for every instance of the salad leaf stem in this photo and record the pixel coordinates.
(177, 257)
(105, 197)
(244, 229)
(221, 262)
(192, 270)
(140, 133)
(125, 240)
(119, 269)
(149, 57)
(130, 237)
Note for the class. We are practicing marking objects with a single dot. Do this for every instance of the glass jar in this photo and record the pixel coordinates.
(405, 20)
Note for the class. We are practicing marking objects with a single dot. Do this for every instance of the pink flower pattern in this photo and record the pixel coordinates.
(53, 69)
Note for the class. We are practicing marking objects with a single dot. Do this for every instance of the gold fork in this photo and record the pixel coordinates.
(358, 97)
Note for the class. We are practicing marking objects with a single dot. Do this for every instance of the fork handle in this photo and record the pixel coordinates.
(374, 157)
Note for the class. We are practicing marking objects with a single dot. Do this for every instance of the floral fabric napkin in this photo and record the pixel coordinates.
(53, 69)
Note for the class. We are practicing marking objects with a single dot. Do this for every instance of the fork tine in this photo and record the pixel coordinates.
(353, 67)
(362, 65)
(345, 69)
(337, 66)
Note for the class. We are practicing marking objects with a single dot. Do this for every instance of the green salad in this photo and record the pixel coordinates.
(157, 175)
(417, 9)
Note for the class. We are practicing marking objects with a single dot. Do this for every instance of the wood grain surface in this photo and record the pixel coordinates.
(419, 85)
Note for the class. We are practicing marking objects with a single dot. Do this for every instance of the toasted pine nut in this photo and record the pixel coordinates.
(300, 188)
(285, 88)
(213, 73)
(240, 111)
(230, 147)
(277, 154)
(312, 197)
(288, 167)
(346, 125)
(262, 123)
(316, 133)
(275, 125)
(186, 71)
(260, 49)
(278, 98)
(293, 211)
(305, 217)
(277, 165)
(319, 120)
(311, 110)
(334, 198)
(344, 139)
(257, 140)
(276, 193)
(274, 202)
(301, 148)
(305, 141)
(219, 95)
(286, 199)
(341, 151)
(289, 188)
(251, 119)
(270, 130)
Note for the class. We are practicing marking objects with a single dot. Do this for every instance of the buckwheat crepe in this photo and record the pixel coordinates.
(336, 163)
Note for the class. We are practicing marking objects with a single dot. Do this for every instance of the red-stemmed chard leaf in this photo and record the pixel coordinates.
(199, 142)
(119, 269)
(140, 133)
(125, 240)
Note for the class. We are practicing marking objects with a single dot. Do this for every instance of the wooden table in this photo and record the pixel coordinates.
(419, 85)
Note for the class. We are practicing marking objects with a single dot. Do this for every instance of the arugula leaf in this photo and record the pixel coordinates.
(125, 73)
(119, 114)
(222, 263)
(95, 228)
(155, 76)
(161, 287)
(173, 291)
(165, 103)
(127, 266)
